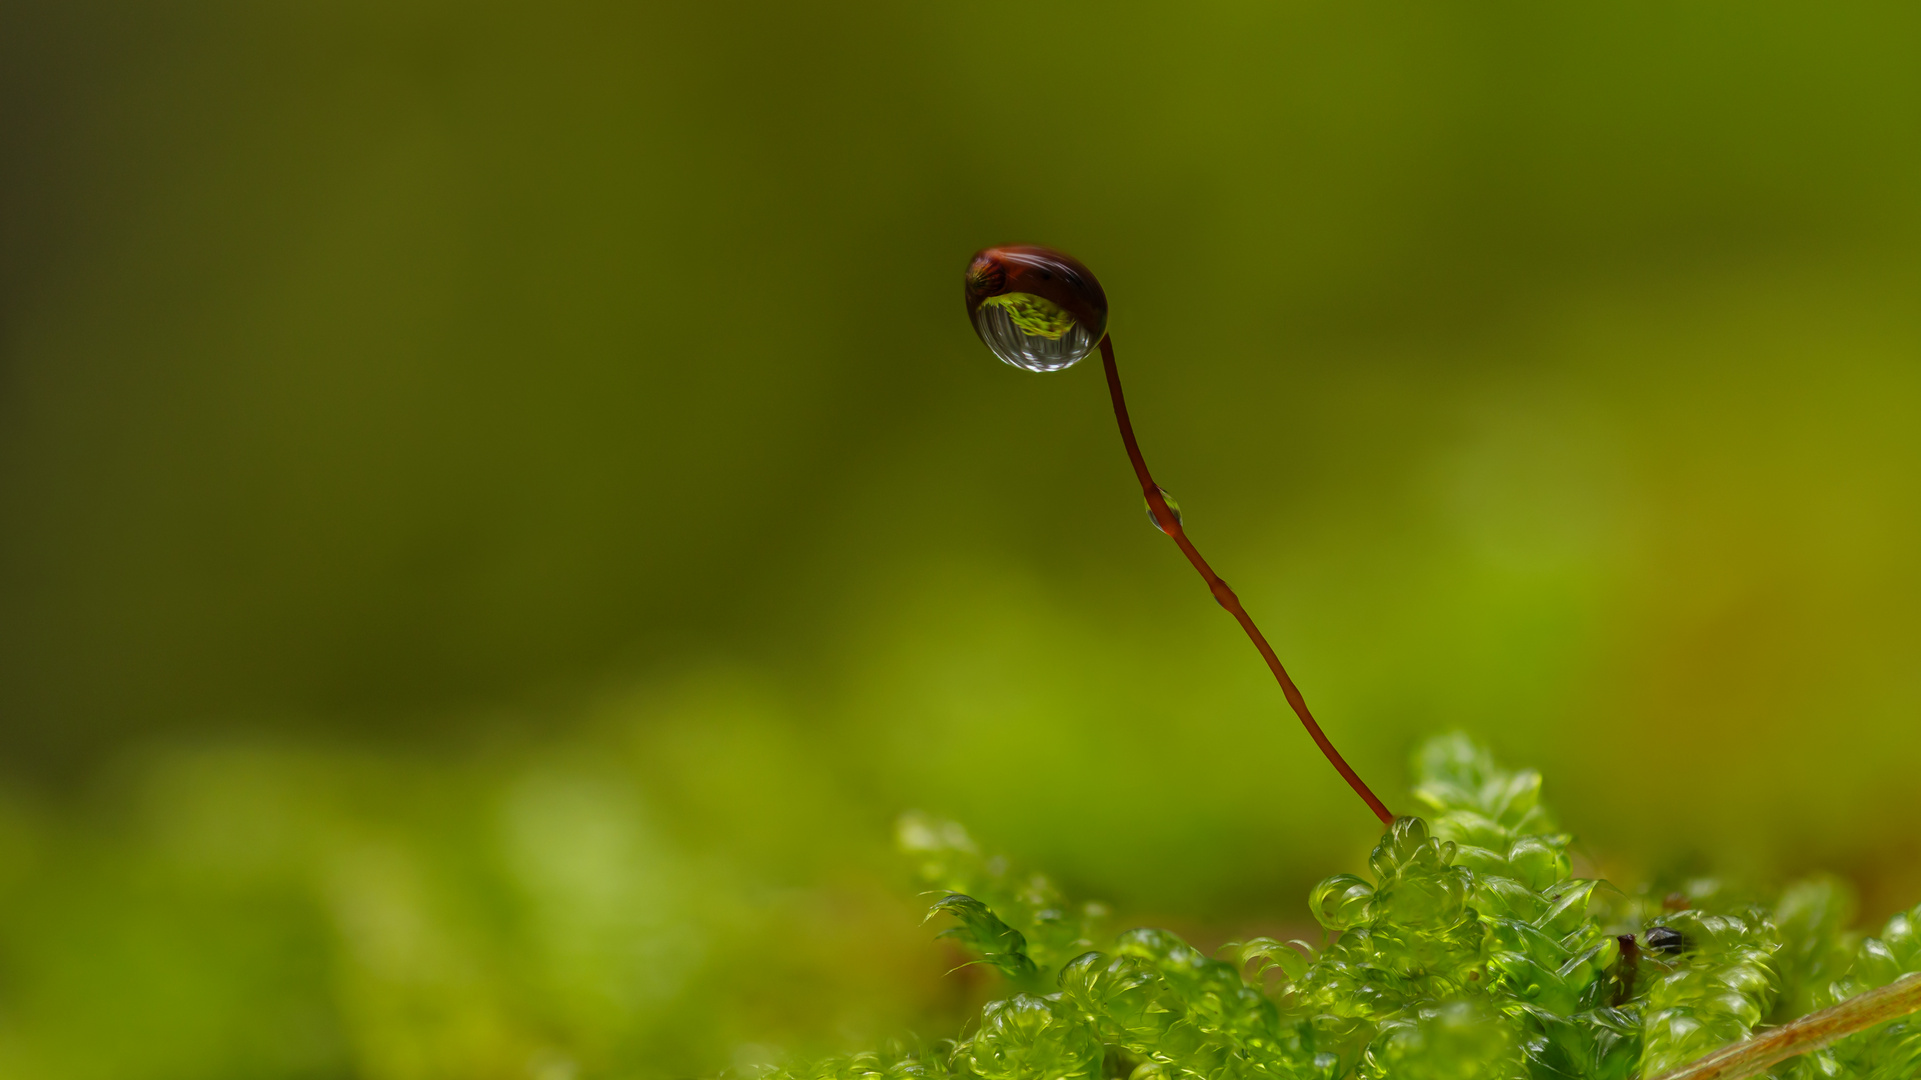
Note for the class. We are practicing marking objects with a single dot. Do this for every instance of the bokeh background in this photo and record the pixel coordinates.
(502, 506)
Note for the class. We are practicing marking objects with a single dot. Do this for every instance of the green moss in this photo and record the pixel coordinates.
(1471, 954)
(1890, 1051)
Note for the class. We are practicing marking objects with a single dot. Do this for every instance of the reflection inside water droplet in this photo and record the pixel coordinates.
(1032, 332)
(1172, 506)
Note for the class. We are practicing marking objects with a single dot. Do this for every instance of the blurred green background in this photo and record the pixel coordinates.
(502, 506)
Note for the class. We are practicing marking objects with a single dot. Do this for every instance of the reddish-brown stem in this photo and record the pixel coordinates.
(1224, 595)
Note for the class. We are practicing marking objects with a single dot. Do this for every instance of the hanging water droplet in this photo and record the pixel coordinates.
(1032, 332)
(1172, 506)
(1036, 308)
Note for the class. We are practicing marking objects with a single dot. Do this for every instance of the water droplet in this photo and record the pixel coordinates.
(1036, 308)
(1171, 505)
(1032, 332)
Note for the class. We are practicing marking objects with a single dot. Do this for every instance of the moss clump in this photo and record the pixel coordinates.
(1473, 954)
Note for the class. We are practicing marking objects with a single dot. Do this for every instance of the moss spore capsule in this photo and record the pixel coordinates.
(1041, 310)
